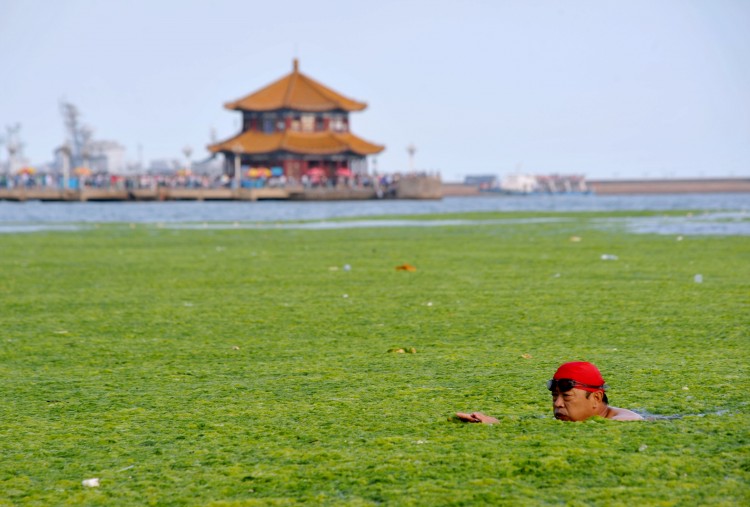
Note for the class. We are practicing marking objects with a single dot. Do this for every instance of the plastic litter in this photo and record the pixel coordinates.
(698, 278)
(609, 257)
(405, 267)
(91, 483)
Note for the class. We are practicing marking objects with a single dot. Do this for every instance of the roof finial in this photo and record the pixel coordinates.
(295, 65)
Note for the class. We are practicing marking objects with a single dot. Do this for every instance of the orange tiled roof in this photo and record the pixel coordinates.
(315, 143)
(295, 91)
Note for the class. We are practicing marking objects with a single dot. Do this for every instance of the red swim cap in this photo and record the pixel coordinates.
(583, 372)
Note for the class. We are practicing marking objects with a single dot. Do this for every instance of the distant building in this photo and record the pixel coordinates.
(163, 166)
(562, 183)
(100, 156)
(107, 156)
(483, 182)
(213, 165)
(299, 126)
(519, 183)
(543, 183)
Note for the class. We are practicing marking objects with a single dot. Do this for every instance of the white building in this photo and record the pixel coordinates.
(519, 183)
(107, 156)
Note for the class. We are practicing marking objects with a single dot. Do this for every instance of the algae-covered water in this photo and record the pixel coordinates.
(711, 214)
(183, 364)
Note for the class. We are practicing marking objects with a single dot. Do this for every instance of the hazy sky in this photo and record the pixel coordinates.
(609, 89)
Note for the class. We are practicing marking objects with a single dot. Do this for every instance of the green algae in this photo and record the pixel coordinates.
(247, 367)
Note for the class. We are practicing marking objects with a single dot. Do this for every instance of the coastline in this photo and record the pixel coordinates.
(634, 186)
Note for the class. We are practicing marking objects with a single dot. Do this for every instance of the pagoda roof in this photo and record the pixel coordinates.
(253, 142)
(295, 91)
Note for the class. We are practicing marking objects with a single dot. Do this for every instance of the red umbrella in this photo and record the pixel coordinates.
(343, 171)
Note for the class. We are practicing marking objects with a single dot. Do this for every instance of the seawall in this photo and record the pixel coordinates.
(669, 186)
(623, 187)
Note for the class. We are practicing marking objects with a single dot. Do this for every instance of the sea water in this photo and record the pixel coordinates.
(727, 214)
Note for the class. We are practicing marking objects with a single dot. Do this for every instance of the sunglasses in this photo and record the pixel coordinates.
(564, 385)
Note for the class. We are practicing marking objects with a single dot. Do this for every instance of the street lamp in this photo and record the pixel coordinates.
(411, 150)
(187, 151)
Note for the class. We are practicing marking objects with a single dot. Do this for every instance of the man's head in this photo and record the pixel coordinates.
(578, 391)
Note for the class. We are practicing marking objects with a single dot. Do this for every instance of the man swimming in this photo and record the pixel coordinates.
(578, 392)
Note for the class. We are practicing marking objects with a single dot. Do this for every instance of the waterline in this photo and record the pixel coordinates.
(286, 211)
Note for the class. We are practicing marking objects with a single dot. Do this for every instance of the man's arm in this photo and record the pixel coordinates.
(476, 417)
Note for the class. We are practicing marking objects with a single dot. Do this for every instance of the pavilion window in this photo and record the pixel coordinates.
(268, 125)
(280, 125)
(319, 124)
(308, 122)
(337, 124)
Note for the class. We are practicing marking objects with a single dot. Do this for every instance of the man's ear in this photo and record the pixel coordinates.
(598, 396)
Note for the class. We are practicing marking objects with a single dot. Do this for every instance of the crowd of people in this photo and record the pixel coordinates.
(384, 183)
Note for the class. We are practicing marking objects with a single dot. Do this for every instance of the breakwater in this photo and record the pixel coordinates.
(669, 186)
(630, 187)
(407, 188)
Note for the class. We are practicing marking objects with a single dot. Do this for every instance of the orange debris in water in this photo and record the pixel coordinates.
(405, 267)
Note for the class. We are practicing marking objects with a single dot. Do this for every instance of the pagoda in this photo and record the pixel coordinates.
(296, 126)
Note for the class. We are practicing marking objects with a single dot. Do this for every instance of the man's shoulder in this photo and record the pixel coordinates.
(623, 414)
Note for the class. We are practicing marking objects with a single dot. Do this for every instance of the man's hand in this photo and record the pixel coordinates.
(476, 417)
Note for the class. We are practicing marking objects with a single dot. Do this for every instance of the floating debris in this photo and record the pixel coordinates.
(91, 483)
(405, 267)
(698, 278)
(347, 267)
(409, 350)
(609, 257)
(526, 356)
(575, 239)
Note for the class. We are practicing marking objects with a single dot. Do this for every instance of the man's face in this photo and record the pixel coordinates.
(573, 405)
